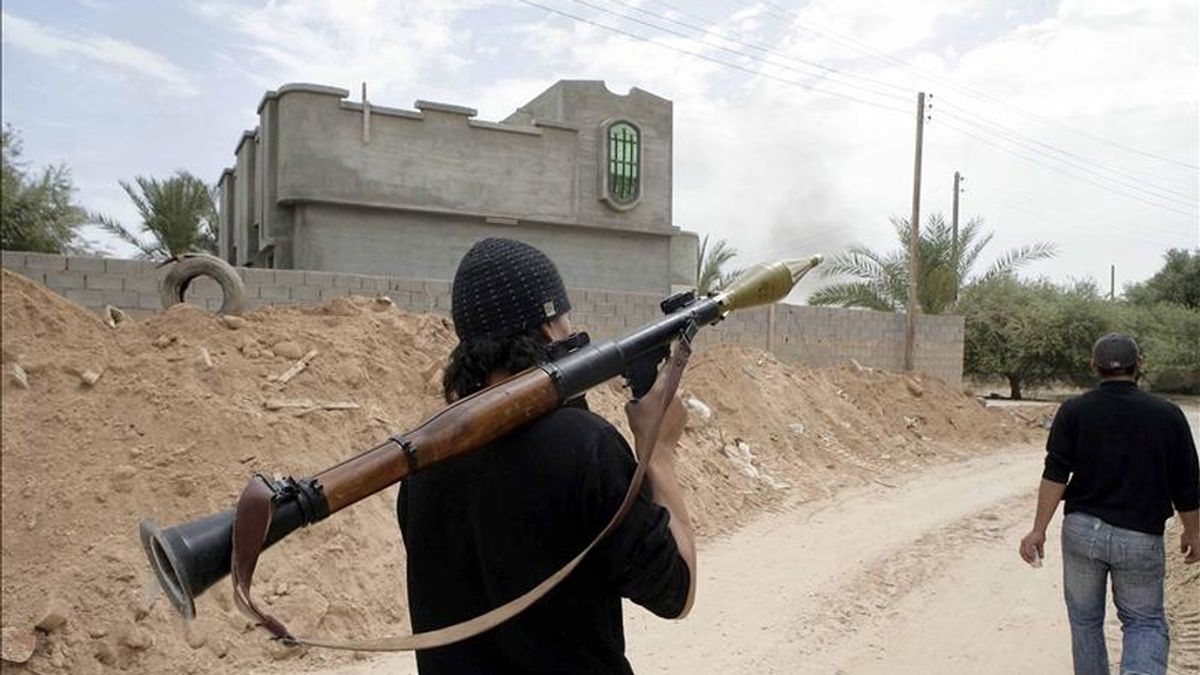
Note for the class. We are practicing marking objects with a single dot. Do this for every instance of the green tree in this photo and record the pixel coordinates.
(1035, 332)
(1168, 334)
(711, 274)
(880, 280)
(1032, 332)
(179, 214)
(37, 213)
(1178, 282)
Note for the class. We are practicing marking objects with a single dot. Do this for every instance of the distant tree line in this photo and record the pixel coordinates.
(1028, 332)
(1035, 332)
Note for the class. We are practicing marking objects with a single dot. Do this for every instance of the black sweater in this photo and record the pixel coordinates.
(484, 528)
(1125, 456)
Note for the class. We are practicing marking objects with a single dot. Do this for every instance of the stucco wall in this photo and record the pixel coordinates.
(428, 159)
(429, 246)
(311, 159)
(588, 105)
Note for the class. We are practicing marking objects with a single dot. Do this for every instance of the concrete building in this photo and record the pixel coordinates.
(328, 184)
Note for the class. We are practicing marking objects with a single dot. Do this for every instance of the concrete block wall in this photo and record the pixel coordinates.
(816, 336)
(831, 336)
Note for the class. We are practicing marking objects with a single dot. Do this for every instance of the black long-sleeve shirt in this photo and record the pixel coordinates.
(486, 527)
(1126, 457)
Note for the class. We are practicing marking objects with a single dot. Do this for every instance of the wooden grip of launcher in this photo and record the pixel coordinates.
(461, 427)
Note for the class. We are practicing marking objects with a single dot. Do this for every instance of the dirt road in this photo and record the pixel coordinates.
(918, 578)
(921, 578)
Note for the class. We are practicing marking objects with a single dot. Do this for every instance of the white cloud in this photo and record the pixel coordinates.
(96, 48)
(1093, 58)
(389, 45)
(886, 26)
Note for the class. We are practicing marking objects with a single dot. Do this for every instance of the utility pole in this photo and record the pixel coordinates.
(366, 115)
(1112, 282)
(914, 305)
(954, 221)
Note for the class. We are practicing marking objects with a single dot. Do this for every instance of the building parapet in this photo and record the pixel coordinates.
(306, 87)
(423, 106)
(551, 124)
(247, 135)
(510, 128)
(355, 106)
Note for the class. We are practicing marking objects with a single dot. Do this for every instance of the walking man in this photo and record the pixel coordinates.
(1120, 458)
(484, 528)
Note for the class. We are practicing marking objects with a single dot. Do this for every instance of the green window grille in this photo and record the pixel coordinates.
(623, 159)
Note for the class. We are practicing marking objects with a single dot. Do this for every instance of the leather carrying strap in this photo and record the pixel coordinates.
(252, 519)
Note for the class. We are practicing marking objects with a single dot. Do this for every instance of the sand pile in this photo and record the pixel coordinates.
(169, 416)
(776, 432)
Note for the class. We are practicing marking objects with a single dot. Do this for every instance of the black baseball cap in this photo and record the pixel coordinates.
(1115, 351)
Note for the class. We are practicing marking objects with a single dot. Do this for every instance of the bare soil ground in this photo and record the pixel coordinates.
(852, 519)
(920, 578)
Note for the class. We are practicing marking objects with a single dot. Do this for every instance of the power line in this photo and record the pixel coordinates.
(1032, 160)
(728, 50)
(738, 40)
(1072, 231)
(708, 58)
(1092, 216)
(1150, 187)
(1135, 177)
(1010, 139)
(1062, 171)
(856, 45)
(1075, 165)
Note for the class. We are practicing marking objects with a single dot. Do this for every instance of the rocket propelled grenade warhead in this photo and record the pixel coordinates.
(764, 284)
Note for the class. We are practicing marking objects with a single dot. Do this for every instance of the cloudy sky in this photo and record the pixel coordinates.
(1074, 122)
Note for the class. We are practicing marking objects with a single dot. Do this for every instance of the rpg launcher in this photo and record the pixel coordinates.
(189, 558)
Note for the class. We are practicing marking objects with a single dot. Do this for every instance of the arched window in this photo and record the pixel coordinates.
(624, 163)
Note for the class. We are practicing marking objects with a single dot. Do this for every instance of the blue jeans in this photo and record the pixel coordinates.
(1092, 550)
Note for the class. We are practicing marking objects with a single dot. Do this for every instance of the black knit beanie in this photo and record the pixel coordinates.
(505, 287)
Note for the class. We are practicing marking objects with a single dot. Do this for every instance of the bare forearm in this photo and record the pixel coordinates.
(669, 494)
(1050, 494)
(1190, 521)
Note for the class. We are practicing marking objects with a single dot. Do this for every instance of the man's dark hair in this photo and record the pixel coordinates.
(473, 360)
(504, 291)
(1127, 371)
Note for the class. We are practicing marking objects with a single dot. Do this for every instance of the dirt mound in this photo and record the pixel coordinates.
(168, 417)
(39, 322)
(777, 432)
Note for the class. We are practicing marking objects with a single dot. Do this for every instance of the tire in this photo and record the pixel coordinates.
(193, 265)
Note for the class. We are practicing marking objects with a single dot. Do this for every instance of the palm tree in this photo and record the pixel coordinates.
(880, 280)
(710, 275)
(179, 213)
